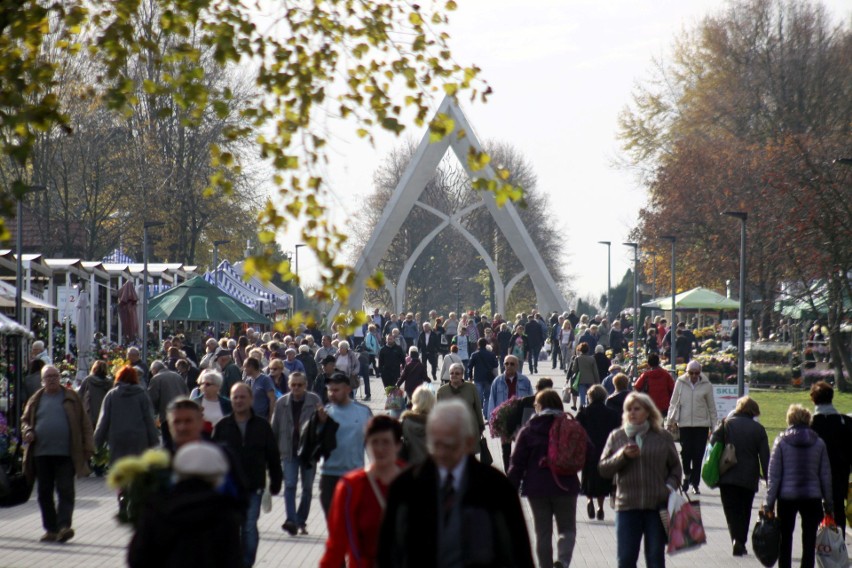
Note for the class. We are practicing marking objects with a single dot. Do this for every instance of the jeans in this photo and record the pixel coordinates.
(693, 442)
(583, 389)
(432, 359)
(811, 512)
(564, 509)
(506, 450)
(327, 485)
(55, 473)
(535, 350)
(292, 470)
(556, 355)
(250, 536)
(737, 502)
(629, 528)
(484, 390)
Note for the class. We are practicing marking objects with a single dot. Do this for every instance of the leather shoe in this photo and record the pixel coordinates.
(290, 527)
(49, 537)
(65, 534)
(600, 514)
(590, 509)
(739, 549)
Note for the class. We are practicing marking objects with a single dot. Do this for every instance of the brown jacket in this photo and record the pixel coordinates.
(82, 445)
(641, 482)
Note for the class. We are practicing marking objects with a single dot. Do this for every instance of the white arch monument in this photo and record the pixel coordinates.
(406, 196)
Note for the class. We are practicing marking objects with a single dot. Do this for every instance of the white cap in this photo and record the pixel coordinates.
(200, 459)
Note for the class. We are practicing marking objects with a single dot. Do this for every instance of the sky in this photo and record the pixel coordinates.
(561, 72)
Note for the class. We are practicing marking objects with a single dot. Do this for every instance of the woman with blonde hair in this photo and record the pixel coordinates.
(413, 421)
(642, 460)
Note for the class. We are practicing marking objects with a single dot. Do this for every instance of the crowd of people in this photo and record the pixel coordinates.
(269, 411)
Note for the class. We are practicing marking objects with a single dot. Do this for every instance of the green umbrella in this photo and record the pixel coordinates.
(695, 299)
(198, 300)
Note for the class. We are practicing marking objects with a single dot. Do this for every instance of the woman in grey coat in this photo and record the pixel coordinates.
(126, 423)
(94, 388)
(586, 365)
(738, 485)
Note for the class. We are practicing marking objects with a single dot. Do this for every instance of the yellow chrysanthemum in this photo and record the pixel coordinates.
(124, 471)
(156, 459)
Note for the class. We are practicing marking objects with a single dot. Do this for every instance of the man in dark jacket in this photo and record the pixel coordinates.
(252, 440)
(535, 337)
(478, 513)
(482, 368)
(391, 361)
(428, 344)
(164, 387)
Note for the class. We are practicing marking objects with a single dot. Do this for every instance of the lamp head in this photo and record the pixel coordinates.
(741, 215)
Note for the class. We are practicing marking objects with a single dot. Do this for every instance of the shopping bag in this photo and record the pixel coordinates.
(766, 539)
(673, 429)
(266, 500)
(566, 394)
(682, 520)
(710, 464)
(395, 400)
(830, 546)
(729, 453)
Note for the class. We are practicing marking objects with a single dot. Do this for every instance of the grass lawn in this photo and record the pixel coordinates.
(774, 404)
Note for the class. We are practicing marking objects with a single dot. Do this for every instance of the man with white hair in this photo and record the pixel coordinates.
(478, 512)
(428, 344)
(134, 359)
(209, 359)
(39, 352)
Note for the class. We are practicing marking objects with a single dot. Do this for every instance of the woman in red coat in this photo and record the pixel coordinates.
(355, 517)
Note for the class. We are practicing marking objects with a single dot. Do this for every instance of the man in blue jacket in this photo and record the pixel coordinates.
(508, 385)
(482, 367)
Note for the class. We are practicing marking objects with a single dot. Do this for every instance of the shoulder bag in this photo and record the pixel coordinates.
(729, 454)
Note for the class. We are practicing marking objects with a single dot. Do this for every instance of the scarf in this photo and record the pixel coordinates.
(549, 412)
(637, 432)
(825, 409)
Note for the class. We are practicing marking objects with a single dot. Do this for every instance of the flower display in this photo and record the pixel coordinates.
(138, 478)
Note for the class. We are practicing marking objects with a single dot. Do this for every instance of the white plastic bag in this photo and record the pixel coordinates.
(830, 546)
(266, 500)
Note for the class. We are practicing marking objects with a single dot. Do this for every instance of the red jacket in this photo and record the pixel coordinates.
(354, 523)
(660, 386)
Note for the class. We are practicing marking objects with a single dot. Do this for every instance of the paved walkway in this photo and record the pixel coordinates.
(102, 542)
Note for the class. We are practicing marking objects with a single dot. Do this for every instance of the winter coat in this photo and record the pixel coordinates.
(82, 444)
(257, 451)
(164, 387)
(599, 422)
(192, 525)
(414, 437)
(657, 383)
(482, 366)
(470, 396)
(693, 405)
(799, 468)
(526, 471)
(603, 363)
(500, 391)
(588, 369)
(282, 421)
(836, 431)
(310, 365)
(616, 401)
(92, 391)
(412, 377)
(616, 341)
(642, 482)
(524, 342)
(534, 334)
(752, 446)
(126, 423)
(391, 360)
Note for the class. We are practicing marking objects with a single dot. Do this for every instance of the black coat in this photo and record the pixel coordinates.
(616, 401)
(752, 447)
(391, 361)
(310, 365)
(836, 431)
(492, 520)
(428, 349)
(191, 525)
(257, 451)
(534, 334)
(599, 421)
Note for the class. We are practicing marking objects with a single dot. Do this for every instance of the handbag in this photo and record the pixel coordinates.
(673, 429)
(566, 394)
(485, 456)
(766, 539)
(729, 453)
(710, 464)
(682, 521)
(830, 545)
(395, 400)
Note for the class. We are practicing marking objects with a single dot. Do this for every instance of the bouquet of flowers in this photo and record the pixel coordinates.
(137, 479)
(505, 418)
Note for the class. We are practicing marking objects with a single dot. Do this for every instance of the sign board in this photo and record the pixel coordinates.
(66, 300)
(726, 399)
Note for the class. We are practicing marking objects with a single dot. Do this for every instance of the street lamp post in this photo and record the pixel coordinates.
(635, 305)
(608, 273)
(672, 239)
(743, 217)
(458, 296)
(145, 226)
(298, 284)
(19, 308)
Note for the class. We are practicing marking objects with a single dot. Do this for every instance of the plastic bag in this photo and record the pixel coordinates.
(830, 546)
(710, 464)
(682, 520)
(266, 501)
(766, 539)
(395, 400)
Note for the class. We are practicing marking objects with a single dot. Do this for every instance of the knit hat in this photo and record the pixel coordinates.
(693, 367)
(201, 459)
